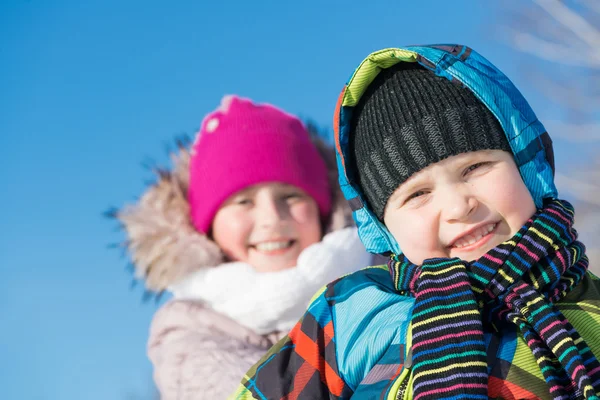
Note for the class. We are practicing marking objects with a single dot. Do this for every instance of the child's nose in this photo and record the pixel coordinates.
(269, 213)
(458, 204)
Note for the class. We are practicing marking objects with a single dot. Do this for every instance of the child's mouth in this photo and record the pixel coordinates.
(475, 239)
(273, 247)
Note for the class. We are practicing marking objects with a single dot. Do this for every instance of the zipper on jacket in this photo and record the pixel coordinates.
(403, 386)
(405, 376)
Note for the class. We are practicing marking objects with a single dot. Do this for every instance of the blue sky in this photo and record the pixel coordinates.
(88, 90)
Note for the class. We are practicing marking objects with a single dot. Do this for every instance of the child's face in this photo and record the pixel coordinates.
(462, 207)
(267, 226)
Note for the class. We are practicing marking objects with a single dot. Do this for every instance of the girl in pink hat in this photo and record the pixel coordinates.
(243, 231)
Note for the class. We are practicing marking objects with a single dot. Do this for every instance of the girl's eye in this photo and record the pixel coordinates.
(292, 196)
(242, 201)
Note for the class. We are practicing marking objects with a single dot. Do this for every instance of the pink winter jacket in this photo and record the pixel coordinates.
(200, 354)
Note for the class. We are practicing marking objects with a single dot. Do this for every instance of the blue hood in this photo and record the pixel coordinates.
(528, 139)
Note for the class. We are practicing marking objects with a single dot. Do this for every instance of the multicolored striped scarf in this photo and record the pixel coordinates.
(514, 284)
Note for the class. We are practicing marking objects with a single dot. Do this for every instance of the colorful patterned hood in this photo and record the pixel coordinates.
(529, 141)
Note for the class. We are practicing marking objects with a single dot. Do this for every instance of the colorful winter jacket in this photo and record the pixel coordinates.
(354, 341)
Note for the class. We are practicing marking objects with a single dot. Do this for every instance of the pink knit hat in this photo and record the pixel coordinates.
(242, 144)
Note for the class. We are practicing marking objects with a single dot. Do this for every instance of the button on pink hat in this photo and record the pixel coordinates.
(242, 144)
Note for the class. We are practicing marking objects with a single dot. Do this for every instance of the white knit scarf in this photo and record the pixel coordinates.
(274, 301)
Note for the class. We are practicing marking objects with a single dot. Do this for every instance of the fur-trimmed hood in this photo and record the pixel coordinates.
(161, 241)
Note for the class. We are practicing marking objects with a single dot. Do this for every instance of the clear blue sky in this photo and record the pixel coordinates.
(90, 89)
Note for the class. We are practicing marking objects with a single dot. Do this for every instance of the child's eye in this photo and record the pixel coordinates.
(474, 167)
(292, 196)
(242, 201)
(416, 194)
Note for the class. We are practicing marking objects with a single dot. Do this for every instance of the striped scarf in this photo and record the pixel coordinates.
(514, 284)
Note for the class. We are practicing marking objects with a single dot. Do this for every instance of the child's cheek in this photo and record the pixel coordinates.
(234, 227)
(234, 221)
(425, 241)
(418, 236)
(308, 222)
(509, 197)
(516, 205)
(305, 212)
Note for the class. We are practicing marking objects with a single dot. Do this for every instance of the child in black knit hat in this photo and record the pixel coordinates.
(487, 293)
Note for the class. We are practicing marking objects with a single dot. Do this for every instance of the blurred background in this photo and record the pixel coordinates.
(89, 91)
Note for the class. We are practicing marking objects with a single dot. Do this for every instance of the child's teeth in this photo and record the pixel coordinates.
(271, 246)
(474, 237)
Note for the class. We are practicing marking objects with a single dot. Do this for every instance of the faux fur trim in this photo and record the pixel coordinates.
(163, 245)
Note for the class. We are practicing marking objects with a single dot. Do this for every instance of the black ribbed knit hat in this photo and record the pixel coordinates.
(410, 118)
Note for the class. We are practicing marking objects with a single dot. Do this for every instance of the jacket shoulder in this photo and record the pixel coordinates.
(193, 350)
(370, 320)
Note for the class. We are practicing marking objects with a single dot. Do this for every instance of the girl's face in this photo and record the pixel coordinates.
(267, 226)
(462, 207)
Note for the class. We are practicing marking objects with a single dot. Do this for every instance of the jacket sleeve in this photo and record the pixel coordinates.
(302, 365)
(193, 360)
